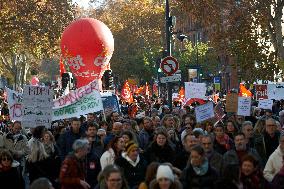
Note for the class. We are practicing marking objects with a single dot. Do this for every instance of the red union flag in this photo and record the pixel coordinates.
(261, 92)
(126, 94)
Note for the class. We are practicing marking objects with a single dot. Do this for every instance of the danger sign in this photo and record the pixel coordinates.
(169, 65)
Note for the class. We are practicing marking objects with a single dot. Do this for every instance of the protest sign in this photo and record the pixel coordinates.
(232, 102)
(110, 104)
(244, 106)
(76, 95)
(265, 104)
(89, 103)
(195, 90)
(261, 92)
(275, 91)
(14, 104)
(204, 112)
(37, 106)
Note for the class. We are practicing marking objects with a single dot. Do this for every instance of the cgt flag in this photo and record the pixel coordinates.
(244, 92)
(126, 94)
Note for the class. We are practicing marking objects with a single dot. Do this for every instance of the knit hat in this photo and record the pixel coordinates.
(129, 146)
(164, 171)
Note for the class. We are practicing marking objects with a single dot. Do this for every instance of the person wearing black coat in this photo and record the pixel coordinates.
(10, 175)
(160, 150)
(132, 165)
(199, 174)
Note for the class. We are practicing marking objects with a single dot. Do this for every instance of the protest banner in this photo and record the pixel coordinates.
(265, 104)
(204, 112)
(261, 92)
(14, 104)
(195, 90)
(232, 102)
(76, 95)
(37, 106)
(244, 106)
(275, 91)
(89, 103)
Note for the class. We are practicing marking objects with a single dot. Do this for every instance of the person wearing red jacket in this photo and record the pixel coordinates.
(73, 169)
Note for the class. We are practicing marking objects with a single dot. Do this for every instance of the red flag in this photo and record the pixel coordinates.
(147, 91)
(244, 92)
(155, 89)
(126, 94)
(140, 90)
(61, 67)
(181, 94)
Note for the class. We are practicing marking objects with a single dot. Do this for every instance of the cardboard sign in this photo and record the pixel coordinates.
(110, 104)
(204, 112)
(232, 102)
(91, 102)
(275, 91)
(244, 106)
(265, 104)
(14, 104)
(195, 90)
(37, 106)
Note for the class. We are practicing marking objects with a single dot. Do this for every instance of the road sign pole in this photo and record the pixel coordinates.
(168, 39)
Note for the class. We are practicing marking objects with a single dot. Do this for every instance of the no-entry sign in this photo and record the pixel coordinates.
(169, 65)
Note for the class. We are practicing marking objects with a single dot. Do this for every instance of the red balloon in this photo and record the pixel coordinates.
(87, 45)
(34, 80)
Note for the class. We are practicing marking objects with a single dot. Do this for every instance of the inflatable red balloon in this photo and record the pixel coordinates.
(87, 45)
(34, 80)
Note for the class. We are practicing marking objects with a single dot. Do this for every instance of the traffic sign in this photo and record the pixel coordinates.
(169, 79)
(169, 65)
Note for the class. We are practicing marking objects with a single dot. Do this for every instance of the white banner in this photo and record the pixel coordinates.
(244, 106)
(195, 90)
(275, 91)
(14, 104)
(76, 95)
(265, 104)
(204, 112)
(37, 106)
(89, 103)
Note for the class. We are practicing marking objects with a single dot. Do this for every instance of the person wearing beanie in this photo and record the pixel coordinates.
(165, 179)
(132, 164)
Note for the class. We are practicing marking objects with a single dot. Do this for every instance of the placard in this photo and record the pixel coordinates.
(244, 106)
(261, 92)
(89, 103)
(265, 104)
(14, 104)
(232, 102)
(195, 90)
(204, 112)
(275, 91)
(37, 106)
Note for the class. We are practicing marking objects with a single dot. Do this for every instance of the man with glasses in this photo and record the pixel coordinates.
(269, 140)
(247, 129)
(275, 161)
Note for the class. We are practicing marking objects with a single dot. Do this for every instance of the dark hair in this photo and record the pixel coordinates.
(151, 172)
(75, 119)
(161, 131)
(17, 122)
(239, 134)
(251, 159)
(7, 154)
(91, 124)
(112, 144)
(198, 148)
(130, 134)
(231, 172)
(38, 131)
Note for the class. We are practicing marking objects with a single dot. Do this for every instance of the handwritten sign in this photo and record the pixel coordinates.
(265, 104)
(76, 95)
(37, 106)
(204, 112)
(232, 102)
(14, 104)
(244, 106)
(89, 103)
(195, 90)
(275, 91)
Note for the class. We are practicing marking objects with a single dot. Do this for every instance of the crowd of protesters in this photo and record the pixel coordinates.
(166, 149)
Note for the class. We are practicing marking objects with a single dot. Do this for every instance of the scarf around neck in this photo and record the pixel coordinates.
(201, 170)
